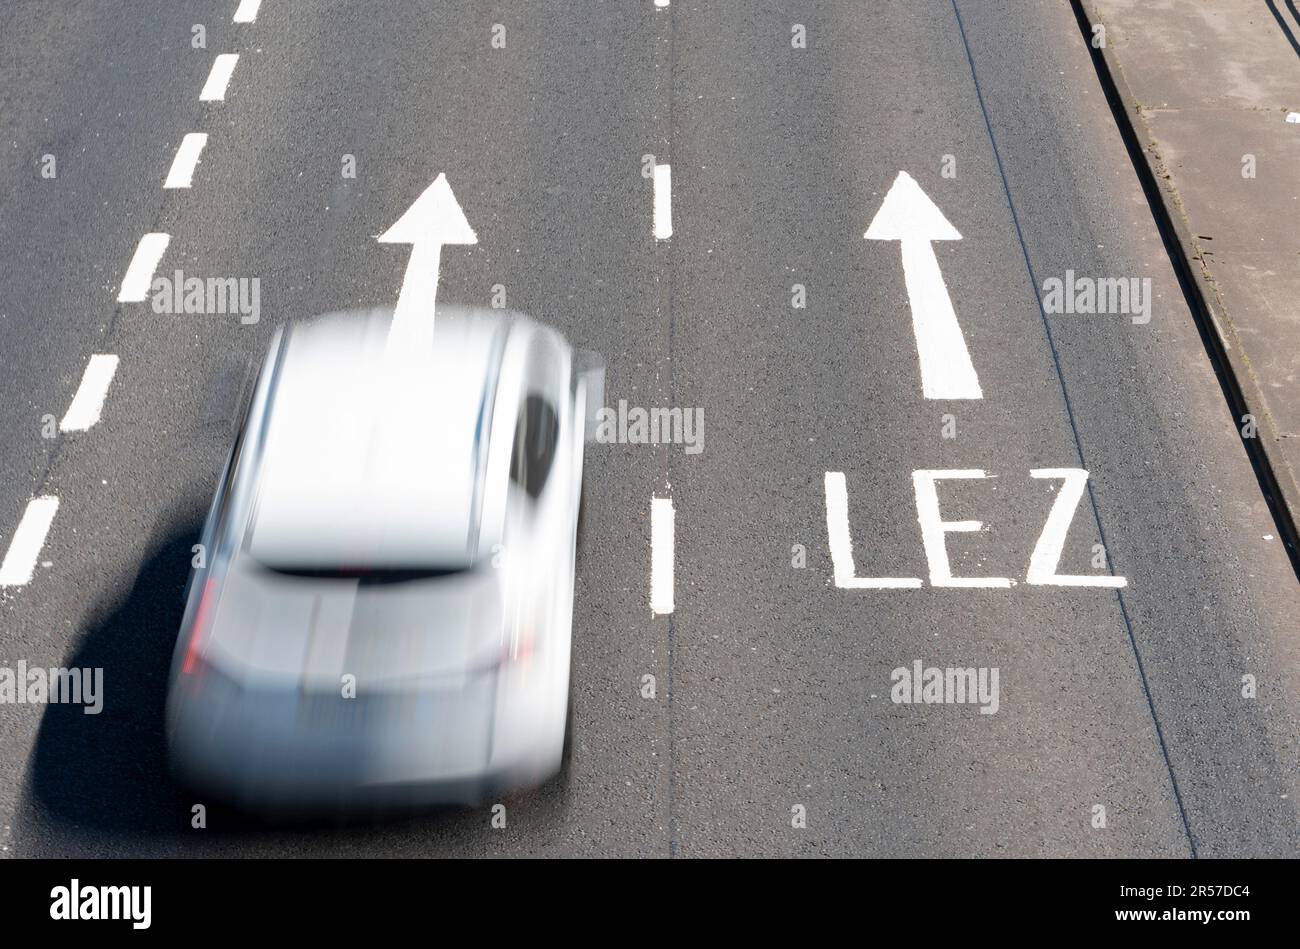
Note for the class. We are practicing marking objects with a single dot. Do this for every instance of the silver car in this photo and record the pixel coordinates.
(382, 606)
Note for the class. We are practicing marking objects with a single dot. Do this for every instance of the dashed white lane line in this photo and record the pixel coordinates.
(661, 3)
(663, 202)
(662, 528)
(247, 11)
(223, 67)
(89, 400)
(187, 156)
(20, 561)
(139, 275)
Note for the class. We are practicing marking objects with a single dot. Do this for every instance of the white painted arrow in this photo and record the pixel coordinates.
(433, 220)
(909, 216)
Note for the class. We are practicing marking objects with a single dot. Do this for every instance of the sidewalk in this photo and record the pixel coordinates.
(1206, 84)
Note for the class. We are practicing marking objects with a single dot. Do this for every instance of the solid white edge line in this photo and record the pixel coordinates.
(139, 274)
(87, 404)
(662, 541)
(663, 217)
(247, 11)
(223, 67)
(187, 157)
(20, 561)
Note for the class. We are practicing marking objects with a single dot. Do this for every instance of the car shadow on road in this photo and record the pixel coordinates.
(107, 772)
(99, 781)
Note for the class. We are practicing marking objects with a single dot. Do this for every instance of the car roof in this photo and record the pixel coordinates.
(373, 457)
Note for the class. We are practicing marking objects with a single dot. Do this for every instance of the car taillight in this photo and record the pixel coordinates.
(199, 629)
(521, 650)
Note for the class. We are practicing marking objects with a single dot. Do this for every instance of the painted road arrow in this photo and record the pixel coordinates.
(433, 220)
(910, 217)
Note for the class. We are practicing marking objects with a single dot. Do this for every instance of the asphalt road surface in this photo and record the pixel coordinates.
(1160, 718)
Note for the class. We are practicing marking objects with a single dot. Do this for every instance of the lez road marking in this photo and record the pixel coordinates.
(187, 156)
(247, 11)
(934, 527)
(1047, 552)
(662, 540)
(89, 400)
(910, 217)
(663, 215)
(223, 67)
(139, 275)
(433, 220)
(20, 561)
(1043, 561)
(837, 528)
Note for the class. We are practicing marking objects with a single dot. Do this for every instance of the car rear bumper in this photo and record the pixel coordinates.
(276, 749)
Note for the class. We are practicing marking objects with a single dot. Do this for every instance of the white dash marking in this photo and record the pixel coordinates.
(223, 67)
(20, 561)
(662, 528)
(663, 202)
(247, 11)
(89, 400)
(187, 156)
(139, 275)
(661, 3)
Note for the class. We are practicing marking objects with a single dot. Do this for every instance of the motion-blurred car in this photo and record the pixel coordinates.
(385, 611)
